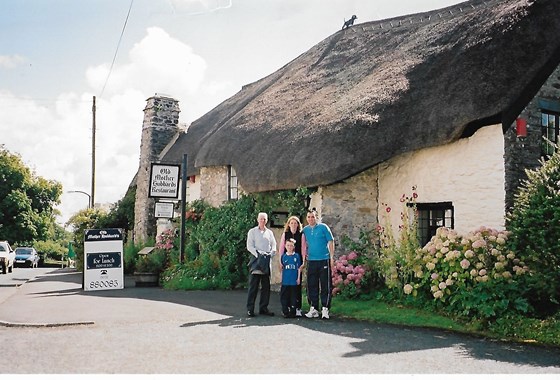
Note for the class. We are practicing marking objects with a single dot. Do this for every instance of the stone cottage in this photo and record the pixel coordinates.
(430, 101)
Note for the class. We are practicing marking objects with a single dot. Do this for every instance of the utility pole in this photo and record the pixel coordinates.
(184, 180)
(92, 201)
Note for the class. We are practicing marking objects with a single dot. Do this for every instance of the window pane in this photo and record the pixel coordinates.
(431, 216)
(232, 184)
(549, 123)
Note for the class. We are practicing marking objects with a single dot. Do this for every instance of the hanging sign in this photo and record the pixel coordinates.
(164, 181)
(164, 210)
(103, 259)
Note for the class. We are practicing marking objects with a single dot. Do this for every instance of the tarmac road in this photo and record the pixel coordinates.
(51, 326)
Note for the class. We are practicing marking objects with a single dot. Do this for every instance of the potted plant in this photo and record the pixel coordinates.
(148, 267)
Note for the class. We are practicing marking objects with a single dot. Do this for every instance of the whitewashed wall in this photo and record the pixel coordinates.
(194, 190)
(469, 173)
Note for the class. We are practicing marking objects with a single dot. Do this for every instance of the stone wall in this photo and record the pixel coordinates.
(214, 184)
(521, 154)
(349, 206)
(161, 123)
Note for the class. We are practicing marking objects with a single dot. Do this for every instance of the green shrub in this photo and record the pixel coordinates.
(528, 329)
(215, 253)
(133, 262)
(153, 262)
(215, 239)
(535, 225)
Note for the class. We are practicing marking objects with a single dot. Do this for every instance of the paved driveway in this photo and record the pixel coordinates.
(151, 330)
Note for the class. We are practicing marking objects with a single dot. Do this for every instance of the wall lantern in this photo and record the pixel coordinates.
(521, 128)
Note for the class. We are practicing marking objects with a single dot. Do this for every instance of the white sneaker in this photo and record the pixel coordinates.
(312, 313)
(298, 313)
(324, 313)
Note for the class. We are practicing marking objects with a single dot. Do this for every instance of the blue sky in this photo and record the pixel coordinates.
(55, 55)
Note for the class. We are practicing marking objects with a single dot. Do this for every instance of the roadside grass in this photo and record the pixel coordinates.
(378, 311)
(515, 329)
(373, 310)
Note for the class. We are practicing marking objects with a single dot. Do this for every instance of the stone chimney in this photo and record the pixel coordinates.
(161, 123)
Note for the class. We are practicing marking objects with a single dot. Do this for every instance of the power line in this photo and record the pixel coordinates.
(117, 49)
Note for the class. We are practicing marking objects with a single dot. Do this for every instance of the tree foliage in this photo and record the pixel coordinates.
(122, 214)
(27, 202)
(83, 220)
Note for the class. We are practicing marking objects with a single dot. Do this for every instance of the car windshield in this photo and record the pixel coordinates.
(23, 251)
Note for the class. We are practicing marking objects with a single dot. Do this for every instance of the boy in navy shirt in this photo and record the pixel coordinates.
(291, 278)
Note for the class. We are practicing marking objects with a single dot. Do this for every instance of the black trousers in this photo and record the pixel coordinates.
(254, 281)
(319, 281)
(288, 299)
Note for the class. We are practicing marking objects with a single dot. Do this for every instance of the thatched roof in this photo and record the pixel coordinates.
(378, 89)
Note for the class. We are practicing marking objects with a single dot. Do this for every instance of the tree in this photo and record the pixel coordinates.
(26, 201)
(122, 214)
(80, 222)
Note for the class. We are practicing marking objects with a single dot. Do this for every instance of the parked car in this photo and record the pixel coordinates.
(27, 257)
(7, 257)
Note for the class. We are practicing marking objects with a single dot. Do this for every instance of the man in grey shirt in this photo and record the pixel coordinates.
(262, 245)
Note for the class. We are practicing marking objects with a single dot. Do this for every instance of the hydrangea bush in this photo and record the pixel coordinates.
(472, 275)
(348, 275)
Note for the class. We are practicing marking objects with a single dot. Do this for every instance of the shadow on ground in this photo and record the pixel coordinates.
(370, 338)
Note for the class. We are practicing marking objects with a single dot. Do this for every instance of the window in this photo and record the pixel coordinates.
(232, 184)
(549, 123)
(431, 216)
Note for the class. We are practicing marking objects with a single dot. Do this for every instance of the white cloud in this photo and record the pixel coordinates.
(11, 61)
(56, 140)
(158, 63)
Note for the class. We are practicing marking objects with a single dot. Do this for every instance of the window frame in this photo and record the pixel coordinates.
(546, 149)
(233, 187)
(427, 226)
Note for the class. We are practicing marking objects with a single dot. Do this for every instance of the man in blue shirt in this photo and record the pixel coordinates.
(320, 256)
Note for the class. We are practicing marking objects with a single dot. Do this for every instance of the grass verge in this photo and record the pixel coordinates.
(514, 329)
